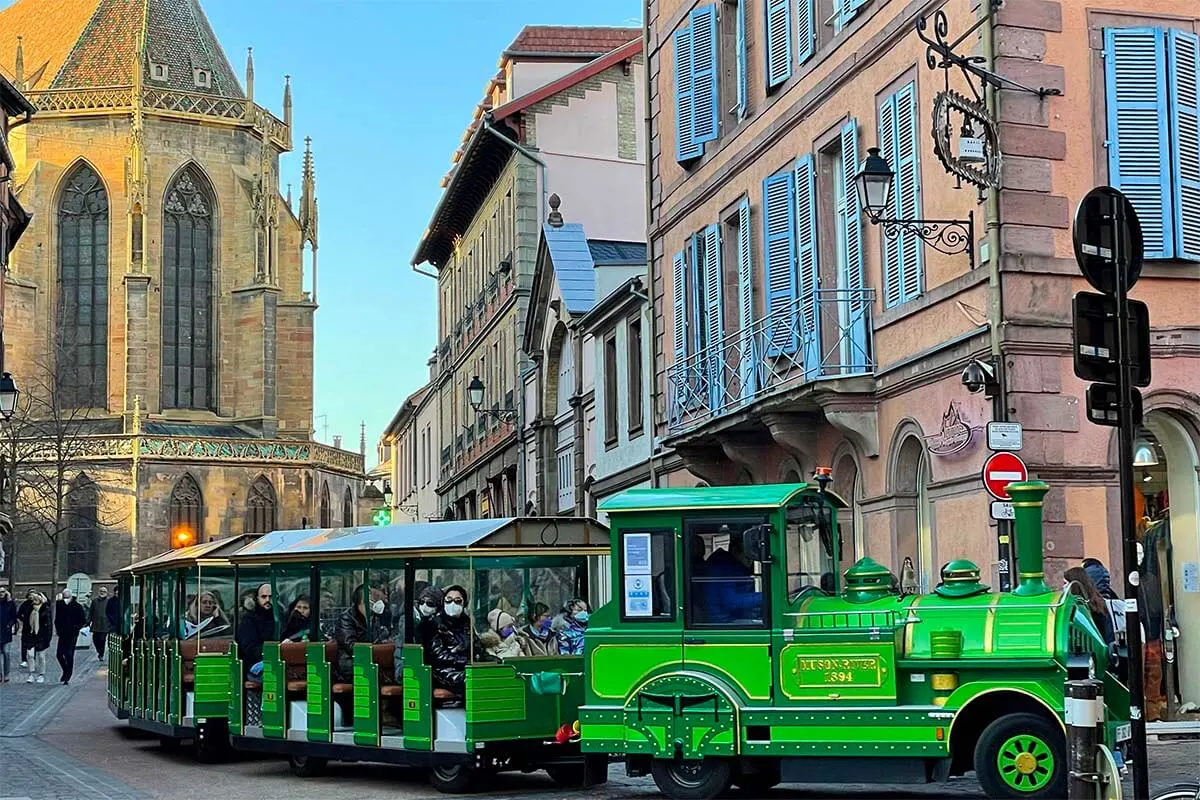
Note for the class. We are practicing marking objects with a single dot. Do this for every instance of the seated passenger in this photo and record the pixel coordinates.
(729, 585)
(351, 629)
(204, 617)
(500, 640)
(296, 624)
(255, 628)
(570, 635)
(450, 645)
(429, 600)
(537, 638)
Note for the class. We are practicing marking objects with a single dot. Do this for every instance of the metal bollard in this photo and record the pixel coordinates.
(1081, 716)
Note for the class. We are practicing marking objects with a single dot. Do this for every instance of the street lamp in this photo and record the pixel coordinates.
(948, 236)
(387, 493)
(8, 395)
(475, 392)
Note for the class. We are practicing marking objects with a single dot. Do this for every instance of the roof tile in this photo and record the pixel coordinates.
(570, 39)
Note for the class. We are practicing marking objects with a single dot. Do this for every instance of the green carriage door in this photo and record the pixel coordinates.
(726, 637)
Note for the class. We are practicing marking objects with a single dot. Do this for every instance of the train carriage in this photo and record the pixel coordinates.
(734, 653)
(182, 675)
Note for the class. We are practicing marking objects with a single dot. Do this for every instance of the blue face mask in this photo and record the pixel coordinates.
(506, 631)
(582, 616)
(543, 625)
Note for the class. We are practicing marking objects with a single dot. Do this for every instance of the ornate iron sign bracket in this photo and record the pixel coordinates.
(947, 236)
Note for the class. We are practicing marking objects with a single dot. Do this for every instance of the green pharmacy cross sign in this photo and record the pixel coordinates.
(383, 516)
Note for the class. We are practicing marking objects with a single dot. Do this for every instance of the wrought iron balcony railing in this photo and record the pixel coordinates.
(826, 335)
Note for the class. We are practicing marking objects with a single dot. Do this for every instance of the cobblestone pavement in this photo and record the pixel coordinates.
(62, 742)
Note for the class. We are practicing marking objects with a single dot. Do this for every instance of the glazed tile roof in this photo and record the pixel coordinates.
(572, 261)
(74, 44)
(605, 251)
(585, 41)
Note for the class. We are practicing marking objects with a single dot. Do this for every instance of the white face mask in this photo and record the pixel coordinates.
(68, 599)
(377, 607)
(426, 610)
(453, 609)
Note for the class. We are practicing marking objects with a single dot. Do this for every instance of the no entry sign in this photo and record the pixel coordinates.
(1000, 470)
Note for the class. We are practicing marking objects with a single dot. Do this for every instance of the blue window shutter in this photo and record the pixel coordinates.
(1135, 95)
(743, 64)
(808, 275)
(855, 304)
(695, 295)
(908, 190)
(714, 316)
(806, 30)
(779, 41)
(844, 11)
(706, 114)
(893, 276)
(779, 225)
(679, 276)
(748, 361)
(1183, 71)
(686, 146)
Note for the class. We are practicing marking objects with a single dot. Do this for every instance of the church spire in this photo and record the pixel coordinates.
(250, 74)
(308, 196)
(19, 67)
(287, 101)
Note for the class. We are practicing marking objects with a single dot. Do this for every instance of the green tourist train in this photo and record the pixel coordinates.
(722, 648)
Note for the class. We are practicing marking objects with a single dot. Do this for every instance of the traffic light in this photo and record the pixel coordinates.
(182, 537)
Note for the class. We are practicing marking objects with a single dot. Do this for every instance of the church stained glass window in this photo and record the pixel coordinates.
(347, 509)
(83, 535)
(187, 511)
(187, 294)
(260, 506)
(326, 513)
(81, 354)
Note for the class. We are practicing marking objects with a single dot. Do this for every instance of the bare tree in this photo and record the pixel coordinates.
(48, 441)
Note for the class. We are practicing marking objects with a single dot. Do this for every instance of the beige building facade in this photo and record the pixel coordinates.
(166, 289)
(793, 333)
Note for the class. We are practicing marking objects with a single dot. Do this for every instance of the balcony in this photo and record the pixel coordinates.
(810, 340)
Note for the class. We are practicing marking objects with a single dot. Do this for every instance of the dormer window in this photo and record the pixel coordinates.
(158, 72)
(202, 78)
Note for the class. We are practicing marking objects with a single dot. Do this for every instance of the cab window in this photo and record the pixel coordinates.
(810, 556)
(726, 586)
(648, 575)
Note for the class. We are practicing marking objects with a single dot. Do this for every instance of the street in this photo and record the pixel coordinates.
(60, 742)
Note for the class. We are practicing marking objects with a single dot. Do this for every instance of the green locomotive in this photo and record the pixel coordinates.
(733, 654)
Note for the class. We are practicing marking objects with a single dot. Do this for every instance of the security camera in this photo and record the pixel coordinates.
(977, 376)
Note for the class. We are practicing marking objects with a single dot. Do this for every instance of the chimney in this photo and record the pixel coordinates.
(337, 442)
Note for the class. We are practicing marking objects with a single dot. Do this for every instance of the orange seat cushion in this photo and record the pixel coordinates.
(342, 688)
(189, 678)
(251, 685)
(443, 694)
(297, 686)
(391, 691)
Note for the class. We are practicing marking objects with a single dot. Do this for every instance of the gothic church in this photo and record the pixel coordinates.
(165, 291)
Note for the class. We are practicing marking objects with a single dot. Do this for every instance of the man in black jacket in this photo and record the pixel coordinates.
(69, 620)
(256, 627)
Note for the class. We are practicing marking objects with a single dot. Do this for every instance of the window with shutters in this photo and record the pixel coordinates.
(636, 385)
(697, 95)
(899, 142)
(843, 12)
(734, 44)
(779, 261)
(611, 386)
(187, 293)
(81, 359)
(1152, 94)
(779, 38)
(840, 245)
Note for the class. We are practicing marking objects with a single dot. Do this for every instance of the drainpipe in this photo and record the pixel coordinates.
(992, 216)
(653, 311)
(487, 126)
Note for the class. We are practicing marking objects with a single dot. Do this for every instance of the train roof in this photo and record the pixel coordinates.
(774, 495)
(488, 535)
(218, 549)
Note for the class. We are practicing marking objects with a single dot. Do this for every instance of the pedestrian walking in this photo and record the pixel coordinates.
(8, 629)
(36, 630)
(98, 617)
(69, 620)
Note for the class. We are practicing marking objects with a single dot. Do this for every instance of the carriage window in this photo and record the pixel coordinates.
(337, 586)
(133, 608)
(292, 605)
(810, 556)
(164, 605)
(527, 611)
(725, 585)
(386, 609)
(648, 575)
(208, 613)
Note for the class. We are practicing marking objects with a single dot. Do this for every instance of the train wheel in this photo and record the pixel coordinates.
(1022, 756)
(566, 776)
(699, 779)
(452, 778)
(307, 766)
(1188, 790)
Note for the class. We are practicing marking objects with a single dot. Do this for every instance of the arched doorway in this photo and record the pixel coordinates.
(914, 511)
(1167, 505)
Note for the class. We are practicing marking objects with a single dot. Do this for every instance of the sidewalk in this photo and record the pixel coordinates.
(31, 769)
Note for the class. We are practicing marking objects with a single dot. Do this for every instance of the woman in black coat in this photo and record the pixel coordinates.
(36, 630)
(450, 644)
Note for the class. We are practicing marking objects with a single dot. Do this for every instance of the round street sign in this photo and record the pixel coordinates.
(1000, 470)
(1094, 234)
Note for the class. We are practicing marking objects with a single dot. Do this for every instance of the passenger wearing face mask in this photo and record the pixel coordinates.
(450, 645)
(537, 638)
(352, 628)
(500, 640)
(570, 636)
(429, 602)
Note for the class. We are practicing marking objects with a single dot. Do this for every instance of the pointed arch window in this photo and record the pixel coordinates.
(326, 513)
(187, 510)
(260, 506)
(83, 533)
(187, 294)
(81, 354)
(347, 508)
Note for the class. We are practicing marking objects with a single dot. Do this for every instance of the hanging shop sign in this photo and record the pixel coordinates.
(955, 436)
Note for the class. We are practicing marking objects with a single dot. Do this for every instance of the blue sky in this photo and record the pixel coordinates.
(385, 88)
